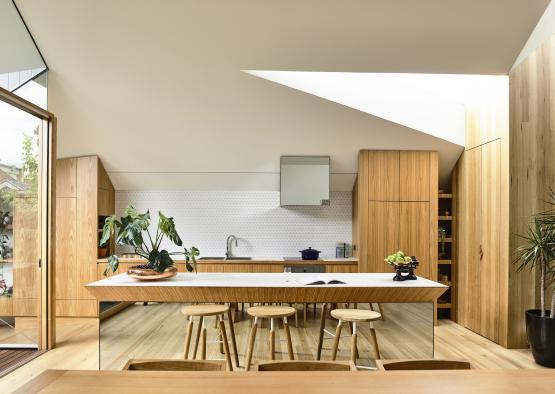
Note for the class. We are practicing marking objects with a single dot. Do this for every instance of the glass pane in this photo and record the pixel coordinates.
(19, 227)
(20, 60)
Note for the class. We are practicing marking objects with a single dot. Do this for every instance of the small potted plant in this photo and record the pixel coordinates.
(133, 230)
(538, 253)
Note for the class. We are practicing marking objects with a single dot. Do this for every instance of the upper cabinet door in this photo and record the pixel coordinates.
(383, 175)
(414, 178)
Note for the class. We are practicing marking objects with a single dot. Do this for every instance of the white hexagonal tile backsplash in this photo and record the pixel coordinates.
(264, 229)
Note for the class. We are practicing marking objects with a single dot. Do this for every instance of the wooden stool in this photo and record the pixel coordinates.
(421, 365)
(174, 365)
(304, 365)
(269, 312)
(354, 316)
(203, 311)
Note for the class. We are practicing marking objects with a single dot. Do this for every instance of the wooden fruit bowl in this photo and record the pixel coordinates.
(150, 274)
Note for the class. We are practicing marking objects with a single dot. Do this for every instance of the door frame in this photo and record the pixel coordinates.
(46, 315)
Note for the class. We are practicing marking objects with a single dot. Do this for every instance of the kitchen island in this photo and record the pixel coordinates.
(153, 327)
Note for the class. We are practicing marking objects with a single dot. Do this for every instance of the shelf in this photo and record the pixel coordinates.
(446, 283)
(444, 305)
(444, 261)
(444, 195)
(445, 218)
(445, 240)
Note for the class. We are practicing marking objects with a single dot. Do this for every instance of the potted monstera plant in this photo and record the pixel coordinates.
(132, 230)
(537, 253)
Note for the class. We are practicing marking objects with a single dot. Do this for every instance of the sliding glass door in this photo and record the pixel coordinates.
(20, 227)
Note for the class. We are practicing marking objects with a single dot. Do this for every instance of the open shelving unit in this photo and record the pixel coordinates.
(446, 264)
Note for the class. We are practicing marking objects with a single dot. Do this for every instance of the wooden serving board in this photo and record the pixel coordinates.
(149, 274)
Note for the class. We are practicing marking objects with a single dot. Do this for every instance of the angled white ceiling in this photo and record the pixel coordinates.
(156, 88)
(429, 103)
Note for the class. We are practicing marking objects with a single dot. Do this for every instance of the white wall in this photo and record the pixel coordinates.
(264, 229)
(543, 30)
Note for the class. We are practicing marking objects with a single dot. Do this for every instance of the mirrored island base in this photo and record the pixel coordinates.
(156, 330)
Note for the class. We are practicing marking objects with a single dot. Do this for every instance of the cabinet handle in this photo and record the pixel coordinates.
(481, 253)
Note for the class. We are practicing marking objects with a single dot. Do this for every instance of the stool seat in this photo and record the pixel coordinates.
(271, 311)
(204, 310)
(355, 315)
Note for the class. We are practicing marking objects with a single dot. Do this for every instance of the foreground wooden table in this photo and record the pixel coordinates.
(417, 382)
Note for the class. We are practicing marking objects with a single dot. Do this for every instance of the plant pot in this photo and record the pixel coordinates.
(541, 337)
(150, 274)
(102, 252)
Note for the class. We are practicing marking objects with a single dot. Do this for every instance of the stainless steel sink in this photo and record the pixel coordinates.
(226, 258)
(212, 258)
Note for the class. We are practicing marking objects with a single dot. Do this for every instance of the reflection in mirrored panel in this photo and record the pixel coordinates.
(304, 180)
(157, 331)
(20, 60)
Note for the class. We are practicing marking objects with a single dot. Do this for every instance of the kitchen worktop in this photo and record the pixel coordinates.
(287, 262)
(266, 287)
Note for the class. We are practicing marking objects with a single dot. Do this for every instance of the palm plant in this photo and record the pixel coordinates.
(538, 251)
(132, 230)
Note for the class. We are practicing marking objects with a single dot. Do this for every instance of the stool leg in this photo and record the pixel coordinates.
(352, 332)
(220, 339)
(233, 341)
(203, 342)
(188, 337)
(226, 345)
(322, 326)
(288, 337)
(252, 337)
(375, 340)
(199, 329)
(354, 344)
(272, 340)
(381, 311)
(336, 340)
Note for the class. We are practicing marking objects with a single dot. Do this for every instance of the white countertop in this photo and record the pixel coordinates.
(267, 280)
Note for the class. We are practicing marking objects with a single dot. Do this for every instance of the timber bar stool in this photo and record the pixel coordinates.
(269, 312)
(354, 316)
(203, 311)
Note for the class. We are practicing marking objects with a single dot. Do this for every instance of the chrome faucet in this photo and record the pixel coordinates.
(228, 253)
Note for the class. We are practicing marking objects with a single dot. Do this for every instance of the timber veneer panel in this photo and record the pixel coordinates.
(383, 235)
(414, 235)
(85, 193)
(383, 175)
(532, 170)
(387, 182)
(490, 261)
(414, 176)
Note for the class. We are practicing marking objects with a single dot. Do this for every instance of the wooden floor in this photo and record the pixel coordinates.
(78, 347)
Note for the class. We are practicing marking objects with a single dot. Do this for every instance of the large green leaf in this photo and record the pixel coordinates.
(113, 264)
(159, 261)
(109, 228)
(191, 255)
(167, 227)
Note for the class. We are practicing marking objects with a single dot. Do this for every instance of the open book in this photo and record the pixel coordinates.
(319, 280)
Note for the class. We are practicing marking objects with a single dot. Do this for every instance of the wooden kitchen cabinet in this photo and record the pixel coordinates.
(84, 197)
(395, 208)
(480, 242)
